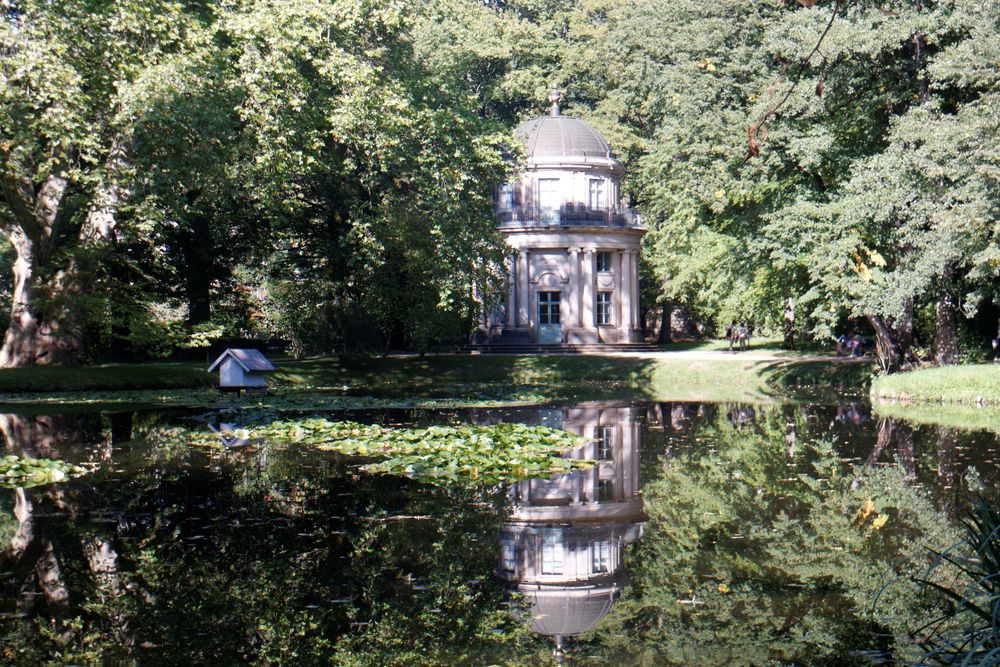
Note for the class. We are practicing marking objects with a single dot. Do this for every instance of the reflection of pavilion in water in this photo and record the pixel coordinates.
(562, 545)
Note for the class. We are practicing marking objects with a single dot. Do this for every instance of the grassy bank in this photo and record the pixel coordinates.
(967, 385)
(447, 380)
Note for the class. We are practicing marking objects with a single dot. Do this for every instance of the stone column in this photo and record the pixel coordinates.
(636, 321)
(624, 284)
(512, 292)
(587, 277)
(573, 316)
(523, 291)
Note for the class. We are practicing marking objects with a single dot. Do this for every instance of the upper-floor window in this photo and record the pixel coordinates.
(600, 556)
(507, 557)
(597, 199)
(549, 195)
(604, 435)
(603, 261)
(506, 196)
(552, 551)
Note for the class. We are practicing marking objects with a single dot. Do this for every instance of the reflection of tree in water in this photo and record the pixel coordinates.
(197, 558)
(755, 549)
(36, 581)
(763, 546)
(42, 436)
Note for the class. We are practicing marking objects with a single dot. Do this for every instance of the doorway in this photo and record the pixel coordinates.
(549, 327)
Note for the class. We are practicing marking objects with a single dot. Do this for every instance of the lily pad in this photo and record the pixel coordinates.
(468, 455)
(17, 471)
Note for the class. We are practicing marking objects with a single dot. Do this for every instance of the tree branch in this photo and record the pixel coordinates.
(757, 131)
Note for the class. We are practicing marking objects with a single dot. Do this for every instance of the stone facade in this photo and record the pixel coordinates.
(573, 270)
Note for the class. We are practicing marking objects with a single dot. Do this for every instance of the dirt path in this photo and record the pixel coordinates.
(726, 355)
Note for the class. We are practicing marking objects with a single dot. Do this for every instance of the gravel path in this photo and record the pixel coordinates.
(726, 355)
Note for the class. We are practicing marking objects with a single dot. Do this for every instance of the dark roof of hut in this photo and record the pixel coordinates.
(249, 360)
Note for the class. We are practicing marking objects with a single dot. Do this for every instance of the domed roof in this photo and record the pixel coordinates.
(556, 136)
(562, 136)
(570, 614)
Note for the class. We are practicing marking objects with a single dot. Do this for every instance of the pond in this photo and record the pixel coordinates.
(714, 534)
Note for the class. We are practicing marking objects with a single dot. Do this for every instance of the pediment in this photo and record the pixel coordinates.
(551, 279)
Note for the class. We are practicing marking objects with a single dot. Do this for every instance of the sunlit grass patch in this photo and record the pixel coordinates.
(973, 384)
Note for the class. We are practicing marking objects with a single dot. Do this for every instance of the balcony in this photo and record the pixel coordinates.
(567, 216)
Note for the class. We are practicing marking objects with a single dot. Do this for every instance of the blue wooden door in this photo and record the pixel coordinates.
(549, 328)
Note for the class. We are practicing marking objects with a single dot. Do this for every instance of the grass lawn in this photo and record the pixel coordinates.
(155, 375)
(445, 380)
(974, 384)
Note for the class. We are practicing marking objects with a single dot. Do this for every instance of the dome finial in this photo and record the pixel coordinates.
(554, 97)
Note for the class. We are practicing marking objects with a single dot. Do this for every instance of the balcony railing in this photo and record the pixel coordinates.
(567, 216)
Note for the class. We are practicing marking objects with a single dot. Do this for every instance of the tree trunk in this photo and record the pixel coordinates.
(789, 324)
(47, 333)
(19, 346)
(665, 334)
(32, 338)
(886, 347)
(945, 347)
(805, 333)
(196, 245)
(904, 329)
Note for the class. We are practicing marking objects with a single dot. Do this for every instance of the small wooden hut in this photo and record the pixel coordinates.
(241, 369)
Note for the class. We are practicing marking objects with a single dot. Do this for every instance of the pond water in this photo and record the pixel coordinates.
(706, 534)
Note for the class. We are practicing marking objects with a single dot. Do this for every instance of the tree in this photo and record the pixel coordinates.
(834, 207)
(372, 170)
(65, 151)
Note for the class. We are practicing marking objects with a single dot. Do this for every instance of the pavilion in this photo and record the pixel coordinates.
(573, 270)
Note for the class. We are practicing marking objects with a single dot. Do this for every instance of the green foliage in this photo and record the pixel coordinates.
(320, 171)
(969, 632)
(852, 208)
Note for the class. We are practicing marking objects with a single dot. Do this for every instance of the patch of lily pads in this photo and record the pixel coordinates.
(466, 455)
(22, 472)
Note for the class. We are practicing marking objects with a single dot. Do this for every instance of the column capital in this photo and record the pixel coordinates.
(573, 251)
(590, 251)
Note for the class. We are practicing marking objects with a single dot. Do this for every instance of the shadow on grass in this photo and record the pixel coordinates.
(491, 377)
(554, 378)
(115, 377)
(817, 378)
